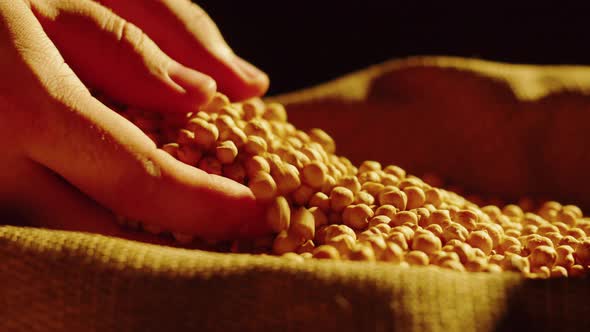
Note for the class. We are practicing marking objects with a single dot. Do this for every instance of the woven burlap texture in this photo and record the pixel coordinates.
(66, 281)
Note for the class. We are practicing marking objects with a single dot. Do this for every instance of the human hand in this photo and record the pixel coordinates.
(71, 162)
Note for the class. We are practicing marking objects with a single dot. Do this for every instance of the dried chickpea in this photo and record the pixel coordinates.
(395, 197)
(255, 145)
(319, 216)
(302, 194)
(287, 178)
(416, 197)
(320, 200)
(210, 165)
(582, 252)
(302, 223)
(395, 170)
(326, 252)
(386, 210)
(440, 217)
(379, 220)
(206, 134)
(494, 231)
(343, 243)
(357, 216)
(383, 228)
(373, 188)
(403, 217)
(362, 253)
(340, 198)
(189, 155)
(256, 164)
(321, 137)
(577, 271)
(567, 217)
(285, 242)
(416, 257)
(569, 241)
(543, 256)
(263, 186)
(513, 211)
(364, 198)
(226, 152)
(436, 230)
(278, 214)
(427, 243)
(454, 231)
(558, 272)
(314, 174)
(467, 219)
(433, 196)
(577, 233)
(392, 253)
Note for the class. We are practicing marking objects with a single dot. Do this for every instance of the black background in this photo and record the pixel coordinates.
(301, 43)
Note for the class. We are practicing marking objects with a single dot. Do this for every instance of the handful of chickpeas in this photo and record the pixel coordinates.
(321, 206)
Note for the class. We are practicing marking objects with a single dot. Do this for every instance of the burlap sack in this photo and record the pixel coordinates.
(421, 113)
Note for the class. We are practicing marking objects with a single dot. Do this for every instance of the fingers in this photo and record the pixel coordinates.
(187, 34)
(115, 57)
(112, 161)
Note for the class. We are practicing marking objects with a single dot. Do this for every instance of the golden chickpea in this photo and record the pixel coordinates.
(433, 196)
(464, 251)
(423, 216)
(529, 230)
(452, 265)
(569, 241)
(255, 145)
(363, 197)
(362, 252)
(256, 164)
(343, 243)
(171, 149)
(577, 271)
(395, 197)
(513, 211)
(379, 220)
(326, 252)
(340, 198)
(302, 194)
(416, 197)
(206, 134)
(263, 186)
(319, 216)
(357, 216)
(467, 219)
(302, 223)
(287, 178)
(577, 233)
(437, 230)
(476, 265)
(320, 200)
(416, 257)
(278, 214)
(386, 210)
(543, 256)
(582, 252)
(481, 240)
(565, 256)
(235, 172)
(403, 217)
(395, 170)
(377, 243)
(226, 152)
(454, 231)
(440, 217)
(399, 239)
(507, 242)
(535, 240)
(427, 243)
(558, 272)
(321, 137)
(573, 209)
(494, 231)
(492, 211)
(555, 237)
(567, 217)
(384, 229)
(314, 174)
(285, 242)
(392, 253)
(493, 268)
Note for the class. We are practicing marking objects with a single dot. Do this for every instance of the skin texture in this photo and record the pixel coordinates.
(71, 162)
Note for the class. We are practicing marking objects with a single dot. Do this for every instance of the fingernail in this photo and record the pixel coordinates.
(248, 70)
(192, 81)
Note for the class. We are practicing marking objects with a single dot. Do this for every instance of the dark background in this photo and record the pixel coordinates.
(301, 43)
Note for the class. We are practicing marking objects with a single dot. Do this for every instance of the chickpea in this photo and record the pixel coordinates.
(319, 216)
(285, 242)
(302, 195)
(321, 137)
(399, 239)
(302, 223)
(386, 210)
(263, 186)
(256, 164)
(558, 272)
(416, 197)
(467, 219)
(481, 240)
(343, 243)
(395, 197)
(278, 215)
(363, 197)
(362, 253)
(427, 243)
(416, 257)
(433, 196)
(437, 230)
(582, 252)
(326, 252)
(454, 231)
(320, 200)
(226, 152)
(565, 256)
(189, 155)
(340, 198)
(373, 188)
(357, 216)
(314, 174)
(402, 217)
(543, 256)
(255, 145)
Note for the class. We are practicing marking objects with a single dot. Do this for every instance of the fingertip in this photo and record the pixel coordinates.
(200, 88)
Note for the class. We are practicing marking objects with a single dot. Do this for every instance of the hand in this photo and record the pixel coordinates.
(497, 129)
(70, 162)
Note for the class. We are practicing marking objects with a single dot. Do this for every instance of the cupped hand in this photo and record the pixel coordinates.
(69, 161)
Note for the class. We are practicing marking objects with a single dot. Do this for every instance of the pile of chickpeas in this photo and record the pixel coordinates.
(322, 206)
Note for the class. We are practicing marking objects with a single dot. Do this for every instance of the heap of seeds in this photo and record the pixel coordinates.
(324, 207)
